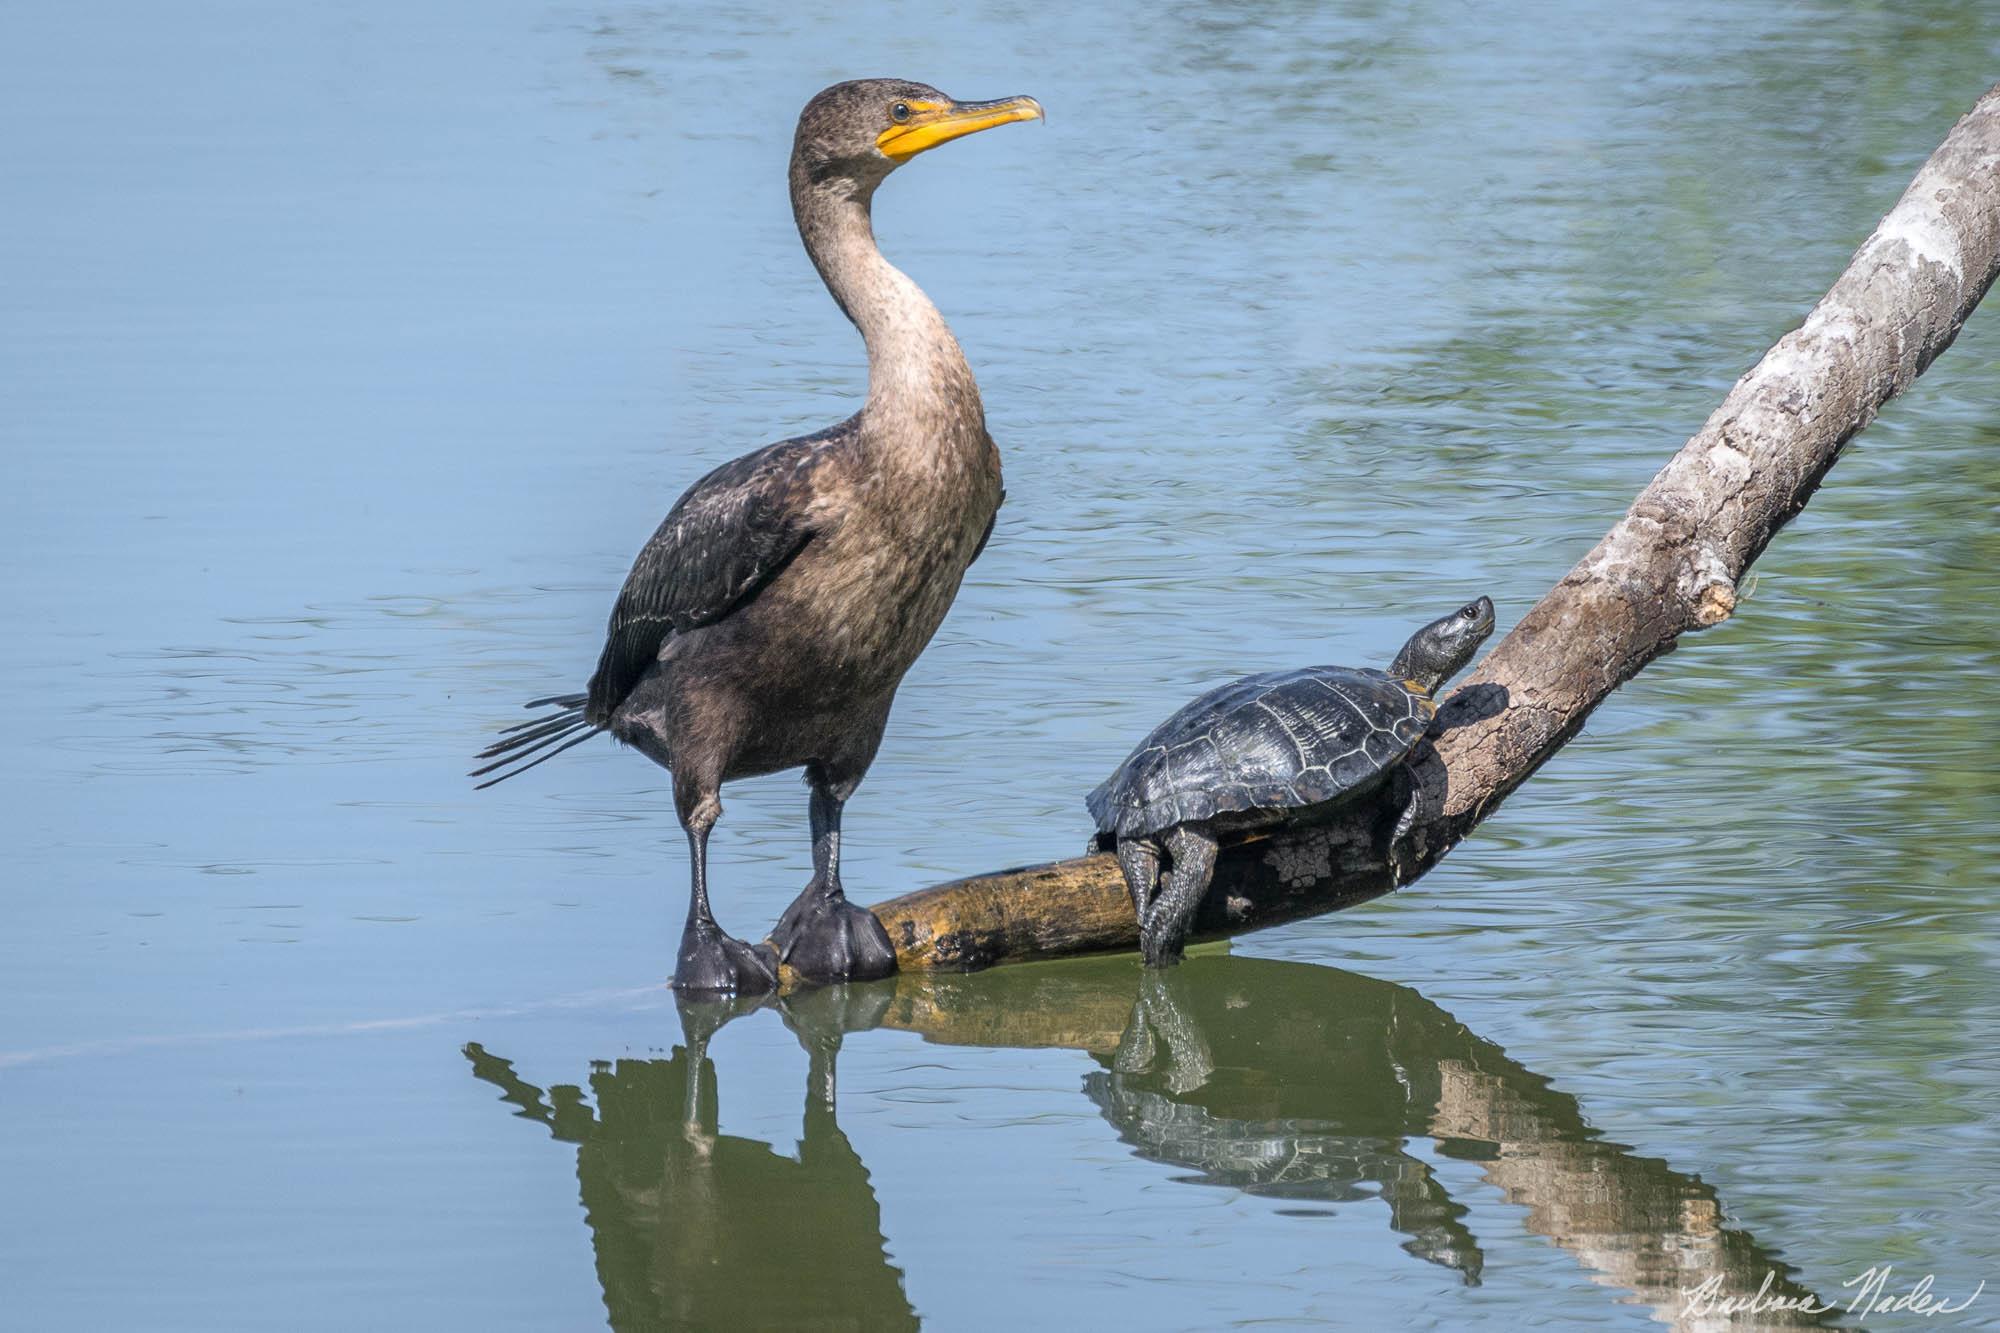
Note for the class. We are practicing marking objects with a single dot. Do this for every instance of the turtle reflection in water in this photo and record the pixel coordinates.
(1153, 1095)
(1320, 1090)
(1284, 747)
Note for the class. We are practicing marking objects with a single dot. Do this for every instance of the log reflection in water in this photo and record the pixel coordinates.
(1289, 1080)
(1307, 1083)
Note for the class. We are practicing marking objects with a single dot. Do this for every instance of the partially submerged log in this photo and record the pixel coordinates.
(1668, 568)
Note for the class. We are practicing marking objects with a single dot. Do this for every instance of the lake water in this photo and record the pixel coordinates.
(349, 353)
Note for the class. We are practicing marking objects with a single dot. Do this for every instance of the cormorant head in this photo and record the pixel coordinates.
(1440, 650)
(864, 129)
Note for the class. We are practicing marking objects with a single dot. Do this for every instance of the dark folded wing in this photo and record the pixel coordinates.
(729, 536)
(987, 535)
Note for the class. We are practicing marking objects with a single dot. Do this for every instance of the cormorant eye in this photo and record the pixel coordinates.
(900, 112)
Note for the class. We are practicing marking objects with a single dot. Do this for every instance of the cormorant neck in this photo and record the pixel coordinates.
(914, 362)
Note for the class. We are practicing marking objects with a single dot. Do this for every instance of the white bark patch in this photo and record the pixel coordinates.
(1635, 532)
(1793, 358)
(1802, 356)
(1831, 324)
(1728, 464)
(1927, 233)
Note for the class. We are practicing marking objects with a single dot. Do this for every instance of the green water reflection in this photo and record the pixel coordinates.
(697, 1229)
(1317, 1086)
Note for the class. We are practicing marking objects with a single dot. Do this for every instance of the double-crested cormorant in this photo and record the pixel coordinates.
(768, 622)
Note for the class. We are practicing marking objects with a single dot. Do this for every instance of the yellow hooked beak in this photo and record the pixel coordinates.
(933, 123)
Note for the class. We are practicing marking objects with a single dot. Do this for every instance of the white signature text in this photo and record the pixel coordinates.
(1871, 1297)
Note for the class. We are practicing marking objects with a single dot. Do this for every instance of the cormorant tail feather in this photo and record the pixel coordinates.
(536, 740)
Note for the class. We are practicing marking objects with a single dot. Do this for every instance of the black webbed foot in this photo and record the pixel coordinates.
(712, 962)
(827, 938)
(705, 1013)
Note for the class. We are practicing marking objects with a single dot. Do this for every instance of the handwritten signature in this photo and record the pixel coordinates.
(1871, 1297)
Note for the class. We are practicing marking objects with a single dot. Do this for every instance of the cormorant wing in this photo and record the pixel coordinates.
(722, 542)
(987, 535)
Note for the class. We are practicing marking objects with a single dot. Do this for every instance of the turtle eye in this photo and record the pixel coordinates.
(900, 112)
(1470, 613)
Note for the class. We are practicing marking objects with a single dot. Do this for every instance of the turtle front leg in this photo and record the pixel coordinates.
(1139, 858)
(1164, 928)
(1402, 856)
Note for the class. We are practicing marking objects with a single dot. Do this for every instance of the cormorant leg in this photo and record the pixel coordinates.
(1139, 858)
(822, 935)
(1163, 933)
(702, 1016)
(697, 1126)
(710, 960)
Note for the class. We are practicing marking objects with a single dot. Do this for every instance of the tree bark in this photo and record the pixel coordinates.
(1668, 568)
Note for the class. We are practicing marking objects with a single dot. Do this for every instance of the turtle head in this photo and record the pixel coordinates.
(1440, 650)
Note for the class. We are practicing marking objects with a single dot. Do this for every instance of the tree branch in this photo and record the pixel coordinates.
(1669, 567)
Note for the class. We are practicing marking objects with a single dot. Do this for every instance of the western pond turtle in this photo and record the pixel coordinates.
(1283, 747)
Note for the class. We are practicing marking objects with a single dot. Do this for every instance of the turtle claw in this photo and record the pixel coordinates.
(824, 937)
(711, 962)
(1162, 938)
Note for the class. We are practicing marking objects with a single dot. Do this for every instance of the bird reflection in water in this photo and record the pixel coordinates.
(698, 1229)
(1302, 1083)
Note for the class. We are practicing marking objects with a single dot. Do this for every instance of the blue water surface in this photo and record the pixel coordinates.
(347, 355)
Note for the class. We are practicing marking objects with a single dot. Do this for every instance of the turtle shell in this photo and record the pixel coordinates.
(1275, 742)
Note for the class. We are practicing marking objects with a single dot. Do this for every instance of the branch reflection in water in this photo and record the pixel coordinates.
(1283, 1079)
